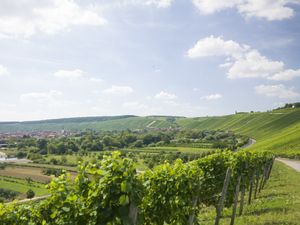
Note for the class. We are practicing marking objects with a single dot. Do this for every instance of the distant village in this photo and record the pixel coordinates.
(35, 134)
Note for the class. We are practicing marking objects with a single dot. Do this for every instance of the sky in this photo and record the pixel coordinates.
(73, 58)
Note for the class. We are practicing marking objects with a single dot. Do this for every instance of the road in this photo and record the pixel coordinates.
(291, 163)
(250, 142)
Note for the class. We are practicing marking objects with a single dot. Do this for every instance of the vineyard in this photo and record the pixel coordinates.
(112, 191)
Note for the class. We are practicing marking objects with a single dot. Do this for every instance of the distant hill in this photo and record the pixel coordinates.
(277, 130)
(91, 123)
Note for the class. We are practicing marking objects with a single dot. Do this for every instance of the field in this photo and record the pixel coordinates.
(21, 186)
(16, 178)
(23, 172)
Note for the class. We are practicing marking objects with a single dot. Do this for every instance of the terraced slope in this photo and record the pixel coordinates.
(278, 130)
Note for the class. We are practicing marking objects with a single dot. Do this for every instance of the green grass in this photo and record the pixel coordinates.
(71, 159)
(20, 185)
(277, 204)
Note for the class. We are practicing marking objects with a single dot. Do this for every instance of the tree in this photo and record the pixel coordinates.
(42, 144)
(29, 180)
(129, 138)
(30, 193)
(138, 144)
(21, 155)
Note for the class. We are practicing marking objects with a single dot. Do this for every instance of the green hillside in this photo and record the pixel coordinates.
(277, 130)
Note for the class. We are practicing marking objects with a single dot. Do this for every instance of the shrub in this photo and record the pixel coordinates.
(30, 193)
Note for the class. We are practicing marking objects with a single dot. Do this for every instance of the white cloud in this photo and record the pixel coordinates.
(216, 46)
(241, 60)
(118, 90)
(211, 6)
(26, 18)
(225, 65)
(6, 106)
(158, 3)
(165, 96)
(286, 75)
(3, 71)
(154, 3)
(279, 91)
(96, 80)
(253, 64)
(69, 74)
(266, 9)
(40, 97)
(212, 97)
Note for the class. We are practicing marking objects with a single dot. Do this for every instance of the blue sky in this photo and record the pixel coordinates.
(64, 58)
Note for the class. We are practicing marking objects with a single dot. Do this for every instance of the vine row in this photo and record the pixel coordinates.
(113, 192)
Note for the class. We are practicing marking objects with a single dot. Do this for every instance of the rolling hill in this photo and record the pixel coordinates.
(92, 123)
(277, 130)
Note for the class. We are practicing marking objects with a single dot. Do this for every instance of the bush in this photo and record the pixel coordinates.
(52, 171)
(21, 155)
(30, 193)
(2, 166)
(6, 194)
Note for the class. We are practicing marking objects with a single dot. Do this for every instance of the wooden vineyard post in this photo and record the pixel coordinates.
(256, 184)
(192, 216)
(223, 196)
(251, 188)
(133, 213)
(242, 200)
(243, 193)
(236, 198)
(268, 172)
(263, 178)
(271, 166)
